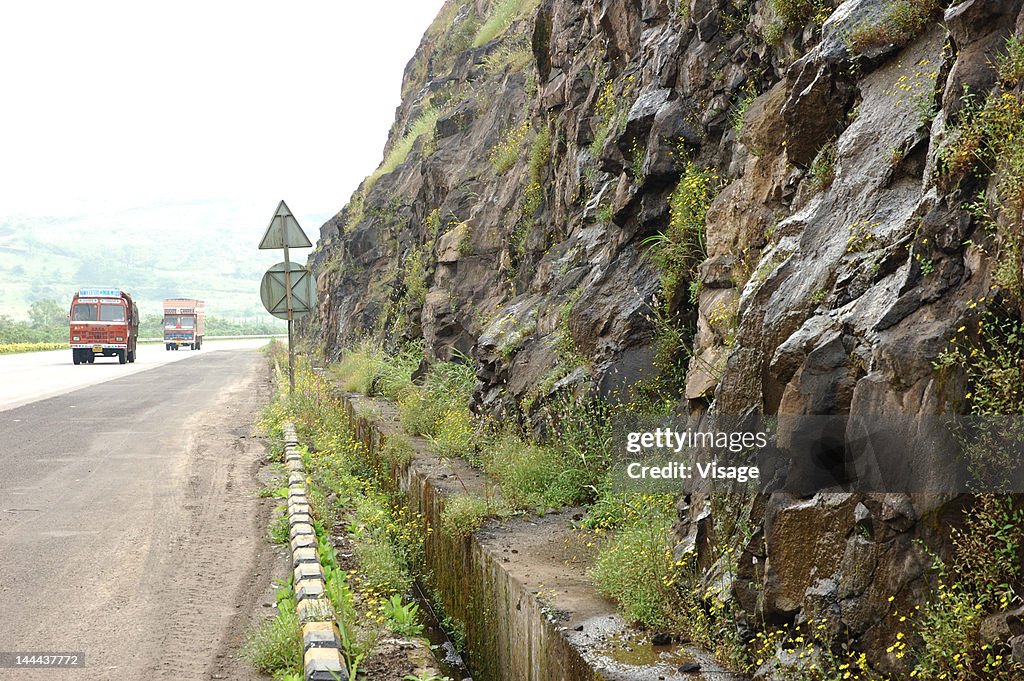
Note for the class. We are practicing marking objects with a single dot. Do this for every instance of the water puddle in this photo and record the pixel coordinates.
(638, 651)
(447, 655)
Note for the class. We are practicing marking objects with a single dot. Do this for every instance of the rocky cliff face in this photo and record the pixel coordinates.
(541, 160)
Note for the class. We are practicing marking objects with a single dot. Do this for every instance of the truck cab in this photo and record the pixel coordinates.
(104, 323)
(184, 323)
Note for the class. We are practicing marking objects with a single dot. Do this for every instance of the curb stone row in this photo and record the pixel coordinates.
(321, 639)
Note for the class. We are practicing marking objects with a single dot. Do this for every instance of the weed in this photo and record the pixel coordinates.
(796, 13)
(12, 348)
(773, 33)
(403, 618)
(397, 450)
(736, 117)
(990, 351)
(415, 270)
(462, 515)
(696, 287)
(276, 646)
(990, 137)
(681, 247)
(365, 369)
(426, 676)
(380, 570)
(537, 476)
(513, 55)
(505, 153)
(823, 168)
(1009, 65)
(984, 575)
(447, 388)
(422, 125)
(636, 162)
(903, 21)
(540, 154)
(501, 16)
(279, 528)
(861, 236)
(611, 110)
(636, 568)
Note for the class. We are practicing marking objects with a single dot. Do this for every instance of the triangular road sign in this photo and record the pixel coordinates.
(284, 231)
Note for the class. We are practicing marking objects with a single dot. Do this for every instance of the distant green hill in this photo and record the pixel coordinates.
(202, 249)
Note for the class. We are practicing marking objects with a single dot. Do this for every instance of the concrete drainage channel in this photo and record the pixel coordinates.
(321, 639)
(530, 613)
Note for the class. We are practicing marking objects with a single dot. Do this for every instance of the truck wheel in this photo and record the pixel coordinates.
(199, 344)
(122, 356)
(90, 356)
(167, 347)
(76, 357)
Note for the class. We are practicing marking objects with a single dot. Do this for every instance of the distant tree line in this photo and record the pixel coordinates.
(152, 327)
(48, 323)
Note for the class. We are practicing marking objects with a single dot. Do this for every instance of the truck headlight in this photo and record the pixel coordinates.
(120, 338)
(74, 338)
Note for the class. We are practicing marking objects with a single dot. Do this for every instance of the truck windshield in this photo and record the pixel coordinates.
(111, 312)
(185, 321)
(83, 313)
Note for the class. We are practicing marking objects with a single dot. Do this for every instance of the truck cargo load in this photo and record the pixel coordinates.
(184, 323)
(104, 322)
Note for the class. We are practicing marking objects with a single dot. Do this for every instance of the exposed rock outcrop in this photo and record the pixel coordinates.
(524, 175)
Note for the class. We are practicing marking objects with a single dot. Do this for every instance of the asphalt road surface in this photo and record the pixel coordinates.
(30, 376)
(130, 528)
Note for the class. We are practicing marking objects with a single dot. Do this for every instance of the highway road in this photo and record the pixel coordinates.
(31, 376)
(130, 527)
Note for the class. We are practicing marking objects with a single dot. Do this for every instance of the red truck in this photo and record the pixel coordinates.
(104, 321)
(184, 323)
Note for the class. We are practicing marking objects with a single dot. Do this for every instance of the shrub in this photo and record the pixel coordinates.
(991, 354)
(381, 573)
(1010, 64)
(903, 21)
(505, 153)
(637, 569)
(536, 476)
(681, 247)
(983, 576)
(796, 13)
(463, 515)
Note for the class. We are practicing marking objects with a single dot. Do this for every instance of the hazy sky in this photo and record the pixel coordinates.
(112, 104)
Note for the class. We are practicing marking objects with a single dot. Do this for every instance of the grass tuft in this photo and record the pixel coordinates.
(500, 18)
(903, 21)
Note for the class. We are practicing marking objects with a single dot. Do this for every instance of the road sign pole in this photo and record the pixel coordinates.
(291, 344)
(284, 232)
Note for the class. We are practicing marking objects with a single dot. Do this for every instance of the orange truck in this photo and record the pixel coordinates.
(104, 322)
(184, 323)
